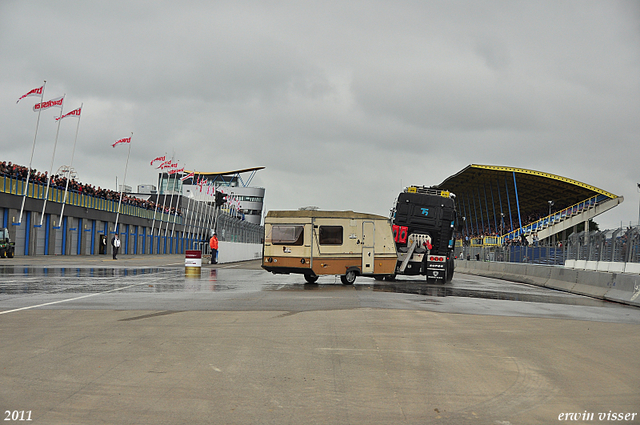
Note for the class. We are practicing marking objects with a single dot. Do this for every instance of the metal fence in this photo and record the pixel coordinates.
(617, 245)
(232, 229)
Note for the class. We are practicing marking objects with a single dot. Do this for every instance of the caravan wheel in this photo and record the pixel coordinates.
(311, 278)
(349, 277)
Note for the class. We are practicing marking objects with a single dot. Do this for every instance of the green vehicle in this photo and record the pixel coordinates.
(6, 246)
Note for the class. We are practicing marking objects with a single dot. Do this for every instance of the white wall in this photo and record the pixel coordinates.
(229, 252)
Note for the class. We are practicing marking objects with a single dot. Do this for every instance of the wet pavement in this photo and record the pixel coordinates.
(245, 286)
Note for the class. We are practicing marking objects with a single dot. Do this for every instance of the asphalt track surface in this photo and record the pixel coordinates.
(90, 340)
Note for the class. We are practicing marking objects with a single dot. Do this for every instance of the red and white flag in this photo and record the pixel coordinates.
(177, 170)
(125, 140)
(191, 174)
(74, 113)
(57, 102)
(34, 92)
(167, 164)
(160, 158)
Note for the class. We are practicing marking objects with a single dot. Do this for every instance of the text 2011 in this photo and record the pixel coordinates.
(17, 415)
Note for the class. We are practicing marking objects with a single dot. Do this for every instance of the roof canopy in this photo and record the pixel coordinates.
(225, 173)
(487, 191)
(224, 178)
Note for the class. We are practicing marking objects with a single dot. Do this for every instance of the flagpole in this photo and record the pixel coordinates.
(190, 214)
(187, 231)
(164, 202)
(173, 226)
(210, 218)
(126, 165)
(166, 229)
(179, 203)
(155, 210)
(33, 148)
(73, 152)
(195, 220)
(46, 194)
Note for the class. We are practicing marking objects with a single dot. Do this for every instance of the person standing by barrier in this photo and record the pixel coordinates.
(115, 243)
(213, 244)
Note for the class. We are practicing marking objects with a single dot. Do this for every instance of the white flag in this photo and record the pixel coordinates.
(57, 102)
(74, 113)
(34, 92)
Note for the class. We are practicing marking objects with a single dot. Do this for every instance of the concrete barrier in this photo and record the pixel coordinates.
(580, 264)
(625, 289)
(592, 283)
(562, 278)
(591, 265)
(514, 271)
(633, 268)
(539, 274)
(615, 267)
(570, 263)
(619, 287)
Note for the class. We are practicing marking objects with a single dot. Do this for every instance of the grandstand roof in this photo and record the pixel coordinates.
(225, 178)
(225, 173)
(489, 185)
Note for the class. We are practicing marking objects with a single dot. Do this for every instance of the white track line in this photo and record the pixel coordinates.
(72, 299)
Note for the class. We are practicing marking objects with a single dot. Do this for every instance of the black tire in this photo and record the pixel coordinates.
(10, 254)
(3, 254)
(349, 278)
(311, 278)
(452, 267)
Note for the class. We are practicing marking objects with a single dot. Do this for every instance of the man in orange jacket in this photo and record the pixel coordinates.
(213, 244)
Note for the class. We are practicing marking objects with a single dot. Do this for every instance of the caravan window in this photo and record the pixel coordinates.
(287, 235)
(330, 235)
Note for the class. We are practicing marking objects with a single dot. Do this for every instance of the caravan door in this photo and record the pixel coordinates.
(368, 245)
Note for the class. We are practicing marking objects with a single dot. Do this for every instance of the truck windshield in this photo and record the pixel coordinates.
(287, 235)
(4, 234)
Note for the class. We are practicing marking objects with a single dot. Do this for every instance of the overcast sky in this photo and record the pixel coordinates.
(343, 102)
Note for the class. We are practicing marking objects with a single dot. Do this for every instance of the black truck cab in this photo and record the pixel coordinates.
(424, 222)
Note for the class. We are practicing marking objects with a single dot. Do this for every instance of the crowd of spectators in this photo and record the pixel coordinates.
(489, 229)
(19, 172)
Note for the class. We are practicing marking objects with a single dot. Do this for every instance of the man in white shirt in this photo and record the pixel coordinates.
(115, 243)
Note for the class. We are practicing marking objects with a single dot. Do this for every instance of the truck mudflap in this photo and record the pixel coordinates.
(436, 271)
(436, 268)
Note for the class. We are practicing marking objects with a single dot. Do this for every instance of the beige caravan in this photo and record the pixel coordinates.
(315, 243)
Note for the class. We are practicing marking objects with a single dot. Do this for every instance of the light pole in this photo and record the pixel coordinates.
(638, 205)
(551, 237)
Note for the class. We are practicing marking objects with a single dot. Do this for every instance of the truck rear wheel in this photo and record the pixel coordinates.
(450, 269)
(10, 254)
